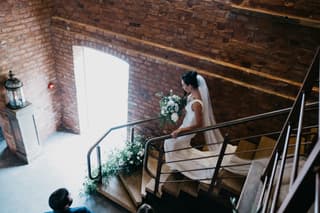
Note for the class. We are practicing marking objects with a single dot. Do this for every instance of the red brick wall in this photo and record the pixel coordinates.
(253, 63)
(242, 55)
(209, 28)
(303, 8)
(148, 74)
(25, 48)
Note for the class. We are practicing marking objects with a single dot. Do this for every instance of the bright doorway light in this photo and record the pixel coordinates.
(102, 91)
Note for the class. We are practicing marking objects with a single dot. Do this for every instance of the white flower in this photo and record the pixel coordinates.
(171, 103)
(174, 117)
(121, 162)
(170, 107)
(141, 152)
(176, 108)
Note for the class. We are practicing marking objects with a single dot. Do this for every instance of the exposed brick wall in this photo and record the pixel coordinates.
(25, 48)
(244, 56)
(304, 8)
(162, 39)
(148, 75)
(209, 28)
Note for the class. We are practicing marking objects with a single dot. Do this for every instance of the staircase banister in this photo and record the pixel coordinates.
(307, 86)
(221, 125)
(107, 133)
(119, 127)
(302, 184)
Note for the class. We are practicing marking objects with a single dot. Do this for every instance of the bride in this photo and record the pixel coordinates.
(198, 114)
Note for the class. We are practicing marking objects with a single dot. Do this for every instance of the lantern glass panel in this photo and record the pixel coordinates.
(15, 96)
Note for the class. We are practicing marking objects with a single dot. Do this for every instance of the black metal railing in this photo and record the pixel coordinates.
(96, 146)
(269, 198)
(150, 143)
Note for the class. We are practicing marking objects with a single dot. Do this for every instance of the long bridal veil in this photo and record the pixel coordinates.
(212, 136)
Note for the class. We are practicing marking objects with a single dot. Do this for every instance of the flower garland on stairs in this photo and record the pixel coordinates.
(126, 161)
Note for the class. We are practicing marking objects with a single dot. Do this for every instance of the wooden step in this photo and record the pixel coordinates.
(233, 185)
(205, 188)
(179, 184)
(190, 187)
(132, 184)
(172, 188)
(116, 192)
(265, 146)
(148, 182)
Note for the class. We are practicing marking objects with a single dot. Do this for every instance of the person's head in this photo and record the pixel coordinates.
(145, 208)
(189, 81)
(60, 199)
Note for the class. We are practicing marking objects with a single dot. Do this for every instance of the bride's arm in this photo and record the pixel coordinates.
(197, 108)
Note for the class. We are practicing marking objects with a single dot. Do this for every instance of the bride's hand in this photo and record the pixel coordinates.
(175, 133)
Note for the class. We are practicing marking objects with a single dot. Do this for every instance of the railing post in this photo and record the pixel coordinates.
(317, 190)
(132, 134)
(99, 164)
(281, 169)
(274, 168)
(260, 202)
(159, 166)
(298, 142)
(219, 162)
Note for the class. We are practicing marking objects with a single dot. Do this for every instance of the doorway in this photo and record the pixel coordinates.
(102, 93)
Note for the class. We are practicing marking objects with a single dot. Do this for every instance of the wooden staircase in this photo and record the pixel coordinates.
(268, 176)
(130, 191)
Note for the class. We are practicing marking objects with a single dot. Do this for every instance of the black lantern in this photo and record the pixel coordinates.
(14, 92)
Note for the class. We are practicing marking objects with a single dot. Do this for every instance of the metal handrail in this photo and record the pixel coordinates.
(217, 126)
(306, 87)
(294, 117)
(103, 137)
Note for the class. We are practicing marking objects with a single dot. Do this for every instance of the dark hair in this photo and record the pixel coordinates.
(190, 78)
(59, 199)
(145, 208)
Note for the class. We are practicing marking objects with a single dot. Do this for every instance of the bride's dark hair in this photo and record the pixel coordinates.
(190, 78)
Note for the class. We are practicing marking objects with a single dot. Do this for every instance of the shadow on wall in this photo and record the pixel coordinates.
(7, 158)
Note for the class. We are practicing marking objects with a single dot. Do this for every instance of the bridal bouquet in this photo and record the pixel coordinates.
(170, 107)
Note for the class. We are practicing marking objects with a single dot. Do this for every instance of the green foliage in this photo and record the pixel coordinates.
(126, 161)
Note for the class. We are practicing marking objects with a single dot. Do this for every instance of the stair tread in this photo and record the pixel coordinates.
(172, 188)
(116, 192)
(148, 182)
(132, 183)
(190, 187)
(183, 184)
(233, 185)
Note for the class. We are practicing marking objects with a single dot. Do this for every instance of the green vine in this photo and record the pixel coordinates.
(127, 161)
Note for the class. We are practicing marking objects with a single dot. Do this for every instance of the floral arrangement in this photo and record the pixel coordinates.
(170, 107)
(127, 161)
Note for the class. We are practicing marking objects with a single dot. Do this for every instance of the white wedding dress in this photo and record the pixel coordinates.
(174, 159)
